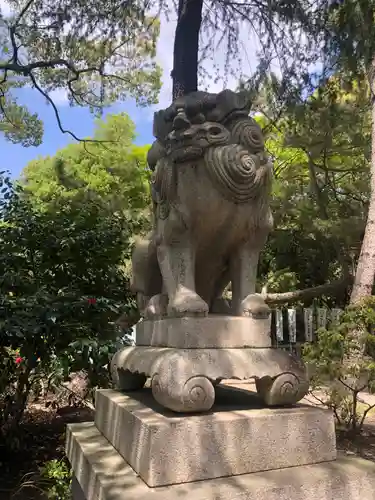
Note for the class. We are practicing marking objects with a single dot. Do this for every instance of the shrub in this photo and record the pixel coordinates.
(62, 288)
(57, 478)
(53, 481)
(342, 364)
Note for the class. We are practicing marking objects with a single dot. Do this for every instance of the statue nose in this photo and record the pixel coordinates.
(181, 121)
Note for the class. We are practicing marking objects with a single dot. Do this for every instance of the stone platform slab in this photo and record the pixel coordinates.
(237, 437)
(214, 331)
(102, 474)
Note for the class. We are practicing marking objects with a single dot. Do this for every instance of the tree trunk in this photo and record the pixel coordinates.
(186, 46)
(365, 274)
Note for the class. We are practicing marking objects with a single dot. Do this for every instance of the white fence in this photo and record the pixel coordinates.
(295, 326)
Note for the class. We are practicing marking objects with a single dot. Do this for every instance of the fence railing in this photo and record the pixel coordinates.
(293, 326)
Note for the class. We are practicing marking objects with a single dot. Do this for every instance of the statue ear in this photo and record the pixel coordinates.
(155, 153)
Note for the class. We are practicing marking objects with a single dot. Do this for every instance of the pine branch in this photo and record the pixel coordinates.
(329, 289)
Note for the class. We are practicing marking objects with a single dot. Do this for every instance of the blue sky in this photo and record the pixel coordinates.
(79, 120)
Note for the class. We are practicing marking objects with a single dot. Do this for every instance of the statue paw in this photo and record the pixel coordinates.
(187, 303)
(254, 306)
(156, 307)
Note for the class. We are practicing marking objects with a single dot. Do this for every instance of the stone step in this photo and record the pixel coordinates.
(100, 473)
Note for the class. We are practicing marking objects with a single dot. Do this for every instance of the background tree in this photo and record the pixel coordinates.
(341, 35)
(112, 172)
(112, 169)
(96, 52)
(321, 158)
(204, 27)
(350, 44)
(66, 235)
(62, 289)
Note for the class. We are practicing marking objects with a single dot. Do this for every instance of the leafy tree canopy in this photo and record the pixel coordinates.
(321, 161)
(114, 171)
(97, 52)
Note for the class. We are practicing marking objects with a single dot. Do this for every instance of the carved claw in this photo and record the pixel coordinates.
(187, 303)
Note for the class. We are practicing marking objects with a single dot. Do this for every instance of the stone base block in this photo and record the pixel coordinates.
(238, 437)
(214, 331)
(102, 474)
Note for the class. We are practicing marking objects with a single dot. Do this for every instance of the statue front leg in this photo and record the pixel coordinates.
(244, 267)
(176, 256)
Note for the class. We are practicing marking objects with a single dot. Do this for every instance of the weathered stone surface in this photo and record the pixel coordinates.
(211, 188)
(183, 379)
(77, 491)
(212, 332)
(103, 474)
(164, 449)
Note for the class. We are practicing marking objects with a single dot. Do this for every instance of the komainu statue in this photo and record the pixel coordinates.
(211, 181)
(210, 188)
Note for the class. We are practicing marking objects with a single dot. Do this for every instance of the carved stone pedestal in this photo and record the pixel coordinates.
(164, 448)
(186, 358)
(136, 450)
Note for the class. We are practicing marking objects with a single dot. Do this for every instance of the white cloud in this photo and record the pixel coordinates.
(5, 8)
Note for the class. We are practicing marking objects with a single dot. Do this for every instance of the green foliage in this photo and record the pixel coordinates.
(321, 163)
(349, 35)
(59, 475)
(16, 123)
(342, 354)
(96, 53)
(115, 174)
(66, 235)
(62, 288)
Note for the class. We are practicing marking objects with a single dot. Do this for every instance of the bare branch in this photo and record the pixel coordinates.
(23, 12)
(347, 386)
(330, 289)
(25, 69)
(4, 77)
(57, 115)
(365, 413)
(12, 31)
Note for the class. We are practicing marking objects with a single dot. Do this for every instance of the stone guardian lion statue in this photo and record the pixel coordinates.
(210, 187)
